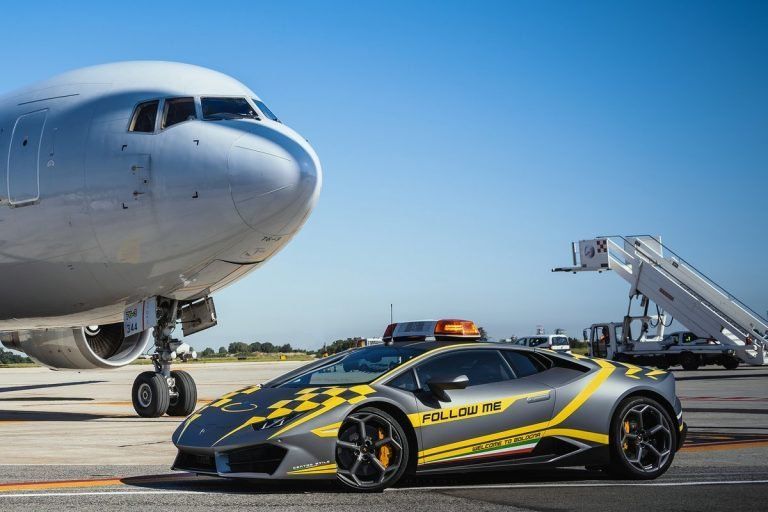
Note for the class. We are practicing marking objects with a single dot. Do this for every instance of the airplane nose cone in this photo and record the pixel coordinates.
(275, 181)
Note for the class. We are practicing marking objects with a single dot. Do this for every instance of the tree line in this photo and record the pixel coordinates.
(7, 357)
(239, 348)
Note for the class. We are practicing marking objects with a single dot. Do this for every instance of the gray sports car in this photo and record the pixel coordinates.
(434, 400)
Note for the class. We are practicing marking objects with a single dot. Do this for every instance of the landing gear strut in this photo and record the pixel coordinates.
(165, 390)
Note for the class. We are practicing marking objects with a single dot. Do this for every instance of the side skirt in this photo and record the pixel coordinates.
(594, 456)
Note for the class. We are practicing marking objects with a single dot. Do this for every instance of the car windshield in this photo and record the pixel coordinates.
(217, 109)
(356, 367)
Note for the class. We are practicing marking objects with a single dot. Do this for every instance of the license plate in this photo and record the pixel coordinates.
(140, 316)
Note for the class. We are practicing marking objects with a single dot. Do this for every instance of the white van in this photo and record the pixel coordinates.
(556, 342)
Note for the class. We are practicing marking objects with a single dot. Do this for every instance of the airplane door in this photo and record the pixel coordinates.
(497, 417)
(23, 159)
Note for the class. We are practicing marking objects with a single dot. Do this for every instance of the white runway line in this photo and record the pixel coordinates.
(595, 484)
(402, 489)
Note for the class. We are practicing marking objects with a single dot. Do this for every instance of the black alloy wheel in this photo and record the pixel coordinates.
(642, 439)
(371, 451)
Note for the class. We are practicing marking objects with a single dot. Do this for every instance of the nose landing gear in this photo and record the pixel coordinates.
(164, 390)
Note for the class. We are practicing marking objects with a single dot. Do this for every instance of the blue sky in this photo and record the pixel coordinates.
(466, 144)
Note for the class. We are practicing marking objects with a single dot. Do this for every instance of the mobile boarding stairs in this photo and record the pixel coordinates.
(657, 274)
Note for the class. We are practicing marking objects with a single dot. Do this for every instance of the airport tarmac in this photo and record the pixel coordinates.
(72, 441)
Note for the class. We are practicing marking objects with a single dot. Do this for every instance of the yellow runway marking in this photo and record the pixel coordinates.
(89, 483)
(62, 484)
(723, 446)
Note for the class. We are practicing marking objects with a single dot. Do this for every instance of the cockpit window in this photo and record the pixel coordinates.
(265, 110)
(217, 109)
(178, 110)
(143, 119)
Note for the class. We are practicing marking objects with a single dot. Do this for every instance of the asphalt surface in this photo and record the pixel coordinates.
(45, 418)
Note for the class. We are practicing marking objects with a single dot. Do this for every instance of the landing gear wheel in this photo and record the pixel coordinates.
(150, 395)
(642, 440)
(731, 363)
(689, 362)
(371, 451)
(183, 402)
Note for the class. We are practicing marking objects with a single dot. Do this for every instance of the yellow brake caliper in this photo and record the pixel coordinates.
(385, 452)
(626, 431)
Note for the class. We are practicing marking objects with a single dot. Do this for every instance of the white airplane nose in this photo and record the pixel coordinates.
(275, 181)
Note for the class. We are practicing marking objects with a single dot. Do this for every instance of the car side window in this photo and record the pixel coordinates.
(405, 381)
(523, 364)
(143, 119)
(480, 367)
(178, 110)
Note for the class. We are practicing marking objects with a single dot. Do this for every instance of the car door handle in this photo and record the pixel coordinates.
(537, 398)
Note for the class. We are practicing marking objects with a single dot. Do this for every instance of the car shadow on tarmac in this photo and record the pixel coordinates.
(720, 376)
(191, 482)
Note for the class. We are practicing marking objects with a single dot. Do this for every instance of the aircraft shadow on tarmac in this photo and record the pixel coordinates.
(28, 387)
(47, 399)
(191, 482)
(6, 415)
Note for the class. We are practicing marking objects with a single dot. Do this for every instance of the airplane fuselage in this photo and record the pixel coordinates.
(95, 215)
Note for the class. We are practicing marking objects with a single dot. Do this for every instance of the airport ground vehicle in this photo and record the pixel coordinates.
(612, 341)
(556, 342)
(433, 399)
(680, 291)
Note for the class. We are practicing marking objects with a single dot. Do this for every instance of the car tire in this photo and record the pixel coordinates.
(731, 363)
(635, 452)
(355, 454)
(690, 362)
(150, 395)
(184, 403)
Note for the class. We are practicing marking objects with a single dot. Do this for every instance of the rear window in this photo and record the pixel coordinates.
(559, 340)
(523, 364)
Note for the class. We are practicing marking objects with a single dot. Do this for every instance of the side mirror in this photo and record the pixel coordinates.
(438, 385)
